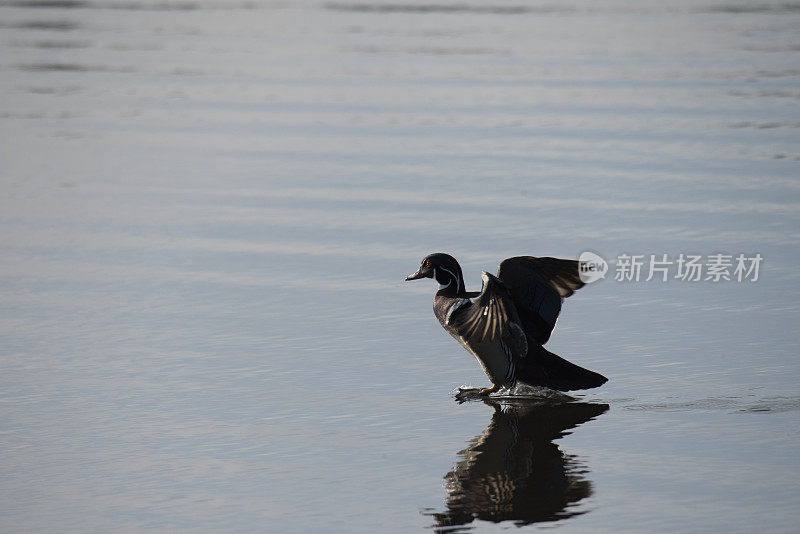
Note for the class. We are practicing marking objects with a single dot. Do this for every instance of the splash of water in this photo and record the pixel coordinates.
(518, 391)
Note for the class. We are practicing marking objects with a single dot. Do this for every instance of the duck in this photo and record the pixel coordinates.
(505, 324)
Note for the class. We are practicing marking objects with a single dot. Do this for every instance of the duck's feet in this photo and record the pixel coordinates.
(486, 391)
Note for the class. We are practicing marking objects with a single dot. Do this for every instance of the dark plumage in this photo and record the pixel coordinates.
(505, 324)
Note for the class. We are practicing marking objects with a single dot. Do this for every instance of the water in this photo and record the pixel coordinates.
(208, 209)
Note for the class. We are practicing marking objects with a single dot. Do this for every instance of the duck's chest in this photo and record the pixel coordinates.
(444, 308)
(494, 356)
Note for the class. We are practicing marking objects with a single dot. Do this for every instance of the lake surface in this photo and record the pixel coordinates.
(208, 209)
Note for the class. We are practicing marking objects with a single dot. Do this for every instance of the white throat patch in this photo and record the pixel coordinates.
(453, 277)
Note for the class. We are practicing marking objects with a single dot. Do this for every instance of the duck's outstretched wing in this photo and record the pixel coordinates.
(537, 287)
(561, 275)
(491, 317)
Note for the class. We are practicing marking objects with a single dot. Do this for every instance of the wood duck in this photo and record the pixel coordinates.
(505, 324)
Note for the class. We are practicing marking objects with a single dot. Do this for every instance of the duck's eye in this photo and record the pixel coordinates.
(428, 263)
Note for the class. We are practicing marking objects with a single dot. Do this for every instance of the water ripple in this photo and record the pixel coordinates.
(734, 404)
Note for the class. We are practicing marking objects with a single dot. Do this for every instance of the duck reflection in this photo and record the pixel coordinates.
(514, 471)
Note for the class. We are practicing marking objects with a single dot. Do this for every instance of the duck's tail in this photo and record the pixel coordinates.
(543, 368)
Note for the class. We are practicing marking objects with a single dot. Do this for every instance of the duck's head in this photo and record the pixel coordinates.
(443, 268)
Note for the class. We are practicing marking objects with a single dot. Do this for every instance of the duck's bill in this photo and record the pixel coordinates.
(416, 276)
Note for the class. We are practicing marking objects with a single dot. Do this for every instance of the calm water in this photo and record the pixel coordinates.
(208, 209)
